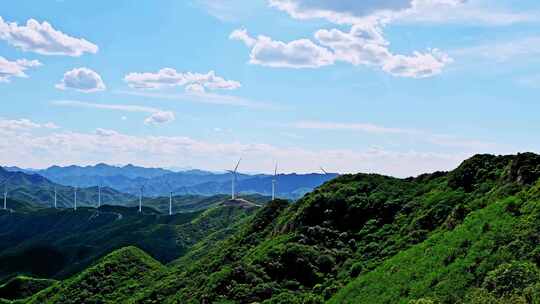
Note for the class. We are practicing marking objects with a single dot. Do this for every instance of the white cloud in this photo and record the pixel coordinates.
(363, 127)
(24, 124)
(16, 68)
(168, 77)
(341, 12)
(242, 35)
(405, 11)
(160, 118)
(106, 133)
(502, 51)
(442, 140)
(195, 88)
(229, 10)
(157, 116)
(301, 53)
(420, 65)
(192, 95)
(43, 39)
(363, 45)
(83, 80)
(464, 12)
(66, 147)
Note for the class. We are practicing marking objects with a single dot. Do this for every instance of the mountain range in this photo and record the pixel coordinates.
(158, 182)
(36, 189)
(466, 236)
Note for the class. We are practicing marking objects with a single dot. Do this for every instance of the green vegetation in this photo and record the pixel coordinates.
(21, 287)
(466, 236)
(53, 243)
(116, 278)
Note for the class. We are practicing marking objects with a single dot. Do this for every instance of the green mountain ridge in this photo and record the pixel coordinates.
(465, 236)
(55, 243)
(113, 280)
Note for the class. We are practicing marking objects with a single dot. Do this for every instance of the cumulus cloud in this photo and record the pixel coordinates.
(83, 80)
(157, 116)
(160, 118)
(301, 53)
(363, 45)
(16, 68)
(43, 39)
(362, 12)
(367, 46)
(169, 77)
(345, 11)
(106, 133)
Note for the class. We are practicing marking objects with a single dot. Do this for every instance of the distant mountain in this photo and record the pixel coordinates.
(17, 169)
(159, 182)
(103, 170)
(38, 190)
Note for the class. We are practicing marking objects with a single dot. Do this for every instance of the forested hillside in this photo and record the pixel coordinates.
(56, 243)
(465, 236)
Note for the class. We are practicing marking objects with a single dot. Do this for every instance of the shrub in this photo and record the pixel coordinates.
(511, 277)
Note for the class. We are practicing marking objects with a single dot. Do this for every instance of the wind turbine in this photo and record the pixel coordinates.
(99, 196)
(274, 183)
(55, 200)
(170, 197)
(141, 195)
(5, 189)
(140, 198)
(75, 198)
(5, 196)
(324, 171)
(233, 173)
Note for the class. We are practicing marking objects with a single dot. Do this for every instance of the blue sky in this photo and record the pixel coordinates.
(395, 87)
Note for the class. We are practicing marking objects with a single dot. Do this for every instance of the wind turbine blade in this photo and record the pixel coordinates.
(237, 164)
(322, 169)
(275, 171)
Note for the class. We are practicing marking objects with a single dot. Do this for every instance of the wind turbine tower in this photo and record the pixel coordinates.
(99, 196)
(5, 196)
(140, 199)
(55, 200)
(5, 182)
(274, 183)
(233, 180)
(75, 198)
(170, 203)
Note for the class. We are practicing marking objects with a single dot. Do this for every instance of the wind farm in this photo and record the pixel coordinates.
(270, 152)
